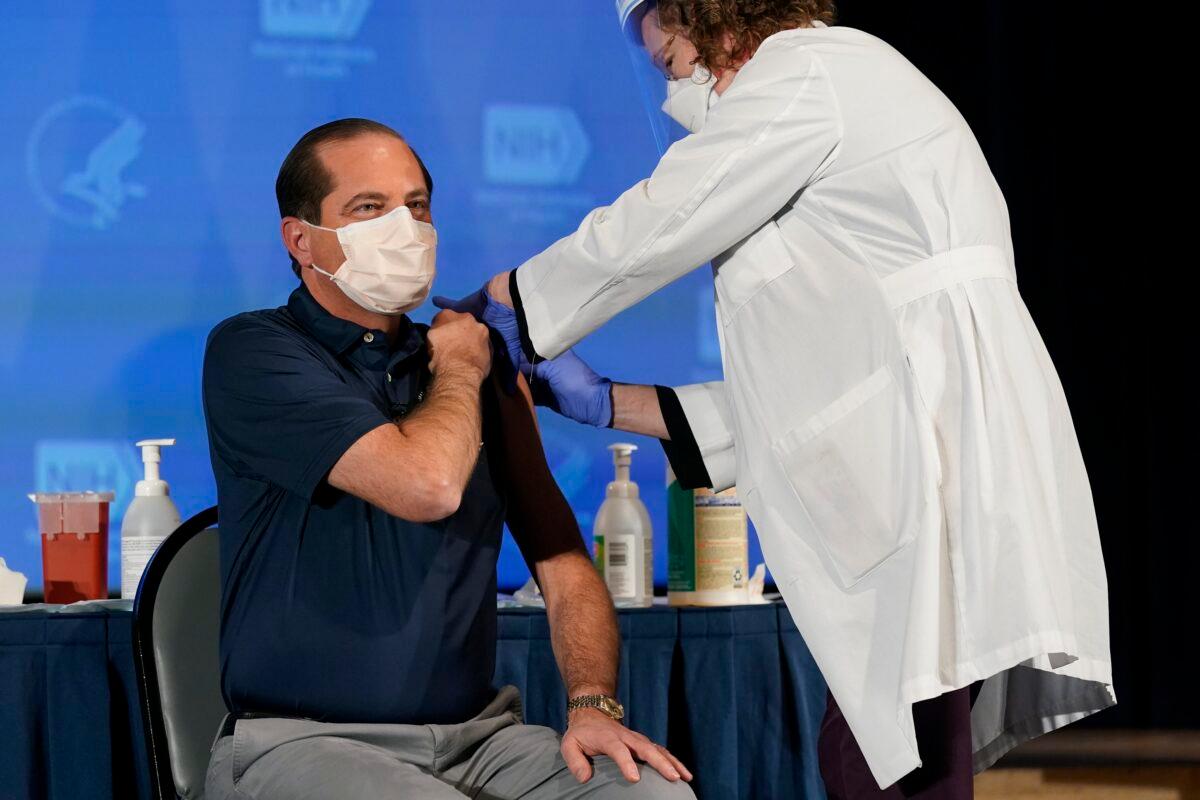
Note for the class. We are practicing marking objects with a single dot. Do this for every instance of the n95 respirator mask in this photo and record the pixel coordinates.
(689, 99)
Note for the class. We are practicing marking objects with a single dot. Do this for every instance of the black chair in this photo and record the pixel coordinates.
(176, 623)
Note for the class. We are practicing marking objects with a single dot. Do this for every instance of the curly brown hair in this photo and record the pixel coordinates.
(706, 22)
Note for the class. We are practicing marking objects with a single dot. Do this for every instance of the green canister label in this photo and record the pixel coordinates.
(681, 539)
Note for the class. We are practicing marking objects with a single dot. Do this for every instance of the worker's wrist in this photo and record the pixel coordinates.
(497, 289)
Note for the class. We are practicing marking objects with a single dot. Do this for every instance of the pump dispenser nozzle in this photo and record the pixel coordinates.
(621, 486)
(152, 484)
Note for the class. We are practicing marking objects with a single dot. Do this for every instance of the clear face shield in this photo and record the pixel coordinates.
(676, 94)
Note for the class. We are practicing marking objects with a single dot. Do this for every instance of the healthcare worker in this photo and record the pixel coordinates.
(889, 412)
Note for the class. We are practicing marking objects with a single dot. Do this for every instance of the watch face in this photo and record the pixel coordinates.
(612, 707)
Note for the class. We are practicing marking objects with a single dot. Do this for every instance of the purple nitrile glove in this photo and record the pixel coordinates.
(566, 385)
(502, 320)
(570, 387)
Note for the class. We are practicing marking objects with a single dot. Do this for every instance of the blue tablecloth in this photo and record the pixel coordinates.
(733, 692)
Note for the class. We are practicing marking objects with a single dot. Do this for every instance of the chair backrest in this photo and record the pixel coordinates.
(176, 640)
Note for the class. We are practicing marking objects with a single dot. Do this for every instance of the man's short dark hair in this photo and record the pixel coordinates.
(303, 181)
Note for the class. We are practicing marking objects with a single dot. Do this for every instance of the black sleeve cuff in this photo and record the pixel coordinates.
(523, 328)
(682, 450)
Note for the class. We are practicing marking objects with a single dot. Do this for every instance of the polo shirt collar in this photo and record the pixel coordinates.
(341, 336)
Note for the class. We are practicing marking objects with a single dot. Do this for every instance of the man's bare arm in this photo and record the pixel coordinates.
(417, 468)
(583, 624)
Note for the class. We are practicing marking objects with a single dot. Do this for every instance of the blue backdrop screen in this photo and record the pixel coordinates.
(139, 153)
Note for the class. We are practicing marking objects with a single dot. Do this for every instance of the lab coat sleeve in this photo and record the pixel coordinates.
(774, 131)
(701, 445)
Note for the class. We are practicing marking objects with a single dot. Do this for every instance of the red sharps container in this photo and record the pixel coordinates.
(74, 529)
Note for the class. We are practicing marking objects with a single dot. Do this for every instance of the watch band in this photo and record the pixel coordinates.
(600, 702)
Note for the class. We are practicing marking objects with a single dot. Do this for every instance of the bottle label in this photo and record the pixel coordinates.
(135, 554)
(721, 541)
(648, 568)
(618, 567)
(598, 544)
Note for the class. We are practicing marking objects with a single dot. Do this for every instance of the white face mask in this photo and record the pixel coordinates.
(390, 261)
(689, 99)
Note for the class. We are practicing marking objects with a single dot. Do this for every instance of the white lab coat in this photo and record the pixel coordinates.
(889, 412)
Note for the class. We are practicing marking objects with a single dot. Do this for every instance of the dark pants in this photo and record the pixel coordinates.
(943, 727)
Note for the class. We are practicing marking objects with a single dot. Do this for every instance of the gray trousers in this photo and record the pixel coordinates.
(491, 757)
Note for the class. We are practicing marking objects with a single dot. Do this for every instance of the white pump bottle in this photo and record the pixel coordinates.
(623, 524)
(151, 517)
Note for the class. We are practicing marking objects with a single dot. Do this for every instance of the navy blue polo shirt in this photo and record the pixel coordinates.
(332, 608)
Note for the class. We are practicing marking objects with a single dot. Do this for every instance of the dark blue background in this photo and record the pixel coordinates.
(174, 120)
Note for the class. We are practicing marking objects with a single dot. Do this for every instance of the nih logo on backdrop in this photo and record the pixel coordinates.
(312, 38)
(533, 156)
(533, 145)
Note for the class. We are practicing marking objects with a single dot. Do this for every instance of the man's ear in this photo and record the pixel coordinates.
(295, 239)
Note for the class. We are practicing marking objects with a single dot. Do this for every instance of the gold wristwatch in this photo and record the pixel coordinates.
(601, 702)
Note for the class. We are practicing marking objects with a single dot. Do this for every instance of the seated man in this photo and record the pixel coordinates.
(365, 466)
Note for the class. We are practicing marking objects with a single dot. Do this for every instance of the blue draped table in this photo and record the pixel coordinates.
(733, 692)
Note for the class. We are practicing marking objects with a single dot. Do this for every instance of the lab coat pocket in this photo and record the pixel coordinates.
(859, 469)
(749, 266)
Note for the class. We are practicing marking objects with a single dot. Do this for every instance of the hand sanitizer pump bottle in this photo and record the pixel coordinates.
(623, 524)
(151, 517)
